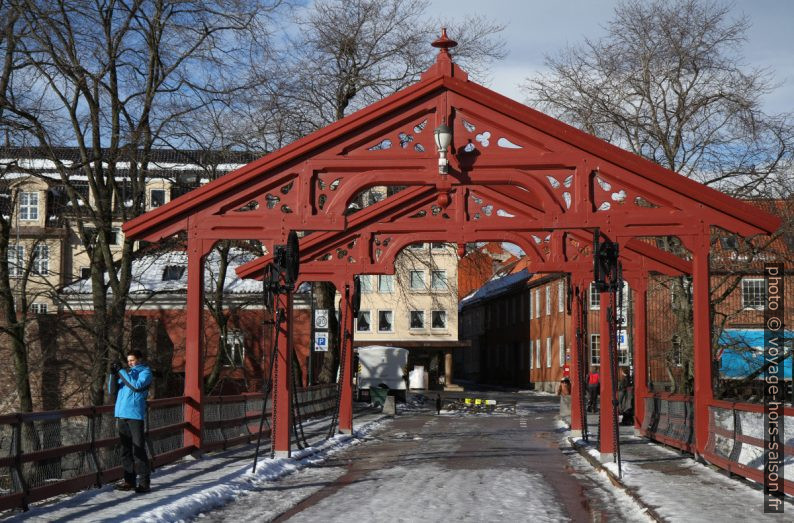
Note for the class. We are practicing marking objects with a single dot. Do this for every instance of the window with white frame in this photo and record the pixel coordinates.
(28, 205)
(157, 197)
(85, 273)
(561, 296)
(417, 319)
(417, 246)
(438, 280)
(537, 303)
(363, 322)
(385, 321)
(753, 293)
(417, 280)
(41, 259)
(437, 246)
(595, 349)
(235, 349)
(16, 260)
(537, 353)
(531, 361)
(386, 283)
(438, 319)
(38, 308)
(366, 283)
(548, 352)
(595, 298)
(561, 349)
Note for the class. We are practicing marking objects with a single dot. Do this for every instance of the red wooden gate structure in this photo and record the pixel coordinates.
(513, 175)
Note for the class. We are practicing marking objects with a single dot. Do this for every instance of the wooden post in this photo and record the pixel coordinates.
(606, 420)
(640, 286)
(282, 400)
(701, 298)
(194, 360)
(346, 363)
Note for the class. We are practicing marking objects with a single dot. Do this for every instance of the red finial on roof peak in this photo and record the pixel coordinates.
(444, 43)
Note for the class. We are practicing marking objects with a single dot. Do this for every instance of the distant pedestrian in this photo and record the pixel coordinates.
(626, 397)
(593, 389)
(130, 412)
(438, 404)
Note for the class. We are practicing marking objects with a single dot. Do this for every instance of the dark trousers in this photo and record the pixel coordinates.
(592, 393)
(133, 450)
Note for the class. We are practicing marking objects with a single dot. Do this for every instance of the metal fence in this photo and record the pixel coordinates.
(669, 418)
(43, 454)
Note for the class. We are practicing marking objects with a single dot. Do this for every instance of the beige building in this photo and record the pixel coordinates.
(416, 308)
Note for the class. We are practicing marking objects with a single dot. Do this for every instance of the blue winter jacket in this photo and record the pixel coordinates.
(131, 404)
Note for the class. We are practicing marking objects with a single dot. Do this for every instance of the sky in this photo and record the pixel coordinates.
(536, 28)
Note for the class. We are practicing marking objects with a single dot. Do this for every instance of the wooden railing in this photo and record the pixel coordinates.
(44, 454)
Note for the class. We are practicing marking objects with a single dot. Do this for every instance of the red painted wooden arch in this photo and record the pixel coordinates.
(516, 175)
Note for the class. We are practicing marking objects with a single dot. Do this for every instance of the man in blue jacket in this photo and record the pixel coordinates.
(133, 388)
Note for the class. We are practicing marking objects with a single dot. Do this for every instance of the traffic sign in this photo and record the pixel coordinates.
(321, 319)
(321, 342)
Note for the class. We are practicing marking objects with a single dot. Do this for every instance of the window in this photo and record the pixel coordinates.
(173, 272)
(548, 299)
(417, 319)
(437, 246)
(624, 356)
(438, 320)
(537, 303)
(363, 321)
(157, 197)
(385, 321)
(417, 246)
(16, 260)
(438, 280)
(729, 243)
(753, 293)
(675, 349)
(114, 238)
(366, 283)
(85, 273)
(595, 298)
(41, 259)
(417, 279)
(28, 206)
(531, 362)
(561, 348)
(235, 349)
(386, 283)
(537, 353)
(548, 352)
(38, 308)
(561, 296)
(595, 349)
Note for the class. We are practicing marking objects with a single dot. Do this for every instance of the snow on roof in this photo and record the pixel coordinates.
(495, 287)
(167, 273)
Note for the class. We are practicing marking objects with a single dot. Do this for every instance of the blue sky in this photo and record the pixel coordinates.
(537, 28)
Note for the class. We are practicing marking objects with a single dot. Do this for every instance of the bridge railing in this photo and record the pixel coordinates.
(736, 437)
(44, 454)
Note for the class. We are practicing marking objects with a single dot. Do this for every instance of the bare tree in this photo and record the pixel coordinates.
(667, 82)
(113, 79)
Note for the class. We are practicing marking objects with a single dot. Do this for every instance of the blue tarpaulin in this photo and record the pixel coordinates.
(743, 353)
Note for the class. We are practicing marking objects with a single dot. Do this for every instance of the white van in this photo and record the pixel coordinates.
(378, 364)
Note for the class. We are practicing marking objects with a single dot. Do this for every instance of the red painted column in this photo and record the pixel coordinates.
(576, 386)
(346, 363)
(640, 286)
(194, 361)
(282, 401)
(702, 337)
(606, 420)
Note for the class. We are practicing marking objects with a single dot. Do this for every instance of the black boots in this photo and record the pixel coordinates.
(143, 485)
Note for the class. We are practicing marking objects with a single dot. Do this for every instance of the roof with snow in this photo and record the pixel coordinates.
(495, 287)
